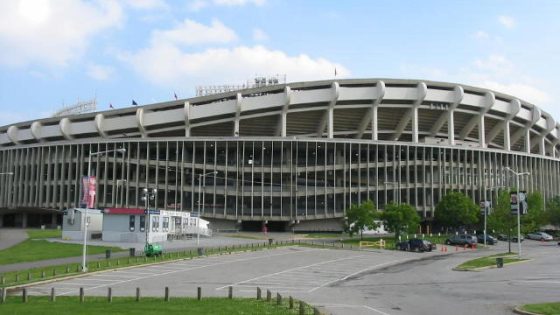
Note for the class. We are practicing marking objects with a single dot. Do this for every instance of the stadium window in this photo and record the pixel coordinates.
(132, 223)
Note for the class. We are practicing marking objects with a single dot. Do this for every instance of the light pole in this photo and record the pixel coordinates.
(200, 177)
(147, 196)
(84, 251)
(517, 175)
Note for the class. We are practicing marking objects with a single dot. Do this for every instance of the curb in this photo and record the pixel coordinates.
(492, 266)
(518, 310)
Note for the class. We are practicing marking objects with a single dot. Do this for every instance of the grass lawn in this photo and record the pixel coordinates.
(35, 250)
(121, 305)
(324, 235)
(254, 236)
(543, 308)
(488, 261)
(38, 234)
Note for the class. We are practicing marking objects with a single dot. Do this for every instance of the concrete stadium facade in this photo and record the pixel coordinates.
(293, 155)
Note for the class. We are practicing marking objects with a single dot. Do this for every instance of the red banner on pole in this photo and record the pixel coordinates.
(88, 191)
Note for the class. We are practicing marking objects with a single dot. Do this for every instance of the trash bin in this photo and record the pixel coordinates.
(132, 251)
(270, 240)
(499, 262)
(201, 251)
(108, 254)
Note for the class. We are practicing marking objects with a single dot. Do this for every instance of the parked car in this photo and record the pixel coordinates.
(539, 236)
(490, 240)
(416, 245)
(461, 239)
(504, 237)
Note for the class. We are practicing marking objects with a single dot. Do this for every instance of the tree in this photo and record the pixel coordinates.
(400, 218)
(456, 209)
(553, 211)
(535, 217)
(359, 217)
(500, 219)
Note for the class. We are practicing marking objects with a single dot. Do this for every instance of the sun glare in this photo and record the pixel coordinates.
(34, 11)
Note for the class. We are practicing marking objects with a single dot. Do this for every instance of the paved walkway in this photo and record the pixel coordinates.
(11, 237)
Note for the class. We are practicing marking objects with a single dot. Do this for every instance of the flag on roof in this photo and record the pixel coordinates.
(175, 94)
(134, 103)
(111, 106)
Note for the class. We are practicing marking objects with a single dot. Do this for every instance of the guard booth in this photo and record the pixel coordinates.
(73, 223)
(124, 225)
(137, 225)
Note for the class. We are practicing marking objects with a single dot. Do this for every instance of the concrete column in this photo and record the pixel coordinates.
(330, 122)
(415, 124)
(451, 128)
(528, 140)
(374, 124)
(481, 132)
(53, 219)
(24, 220)
(507, 141)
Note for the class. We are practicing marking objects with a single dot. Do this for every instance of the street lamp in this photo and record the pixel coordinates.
(147, 196)
(200, 177)
(517, 175)
(84, 251)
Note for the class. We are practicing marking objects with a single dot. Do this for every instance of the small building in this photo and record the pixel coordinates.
(72, 223)
(129, 225)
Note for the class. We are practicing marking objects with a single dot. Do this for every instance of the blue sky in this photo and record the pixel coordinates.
(56, 52)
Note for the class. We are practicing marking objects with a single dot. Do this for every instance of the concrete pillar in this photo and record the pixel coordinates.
(451, 127)
(24, 220)
(507, 142)
(53, 220)
(481, 132)
(374, 125)
(528, 140)
(415, 124)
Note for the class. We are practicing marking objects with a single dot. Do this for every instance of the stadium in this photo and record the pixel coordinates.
(293, 156)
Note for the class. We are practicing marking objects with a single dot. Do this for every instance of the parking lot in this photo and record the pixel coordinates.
(291, 271)
(345, 281)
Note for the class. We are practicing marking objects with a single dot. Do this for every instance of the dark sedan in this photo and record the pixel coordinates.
(416, 245)
(490, 240)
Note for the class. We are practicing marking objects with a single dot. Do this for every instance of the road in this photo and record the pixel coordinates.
(344, 281)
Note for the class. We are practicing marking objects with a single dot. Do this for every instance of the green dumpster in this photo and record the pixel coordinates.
(152, 250)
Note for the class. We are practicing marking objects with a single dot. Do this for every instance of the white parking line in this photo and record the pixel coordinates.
(352, 274)
(288, 270)
(200, 267)
(355, 306)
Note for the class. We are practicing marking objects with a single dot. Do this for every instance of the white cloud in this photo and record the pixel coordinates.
(51, 33)
(259, 35)
(481, 35)
(523, 91)
(232, 3)
(99, 72)
(494, 72)
(171, 60)
(147, 4)
(496, 64)
(192, 33)
(507, 21)
(167, 65)
(197, 5)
